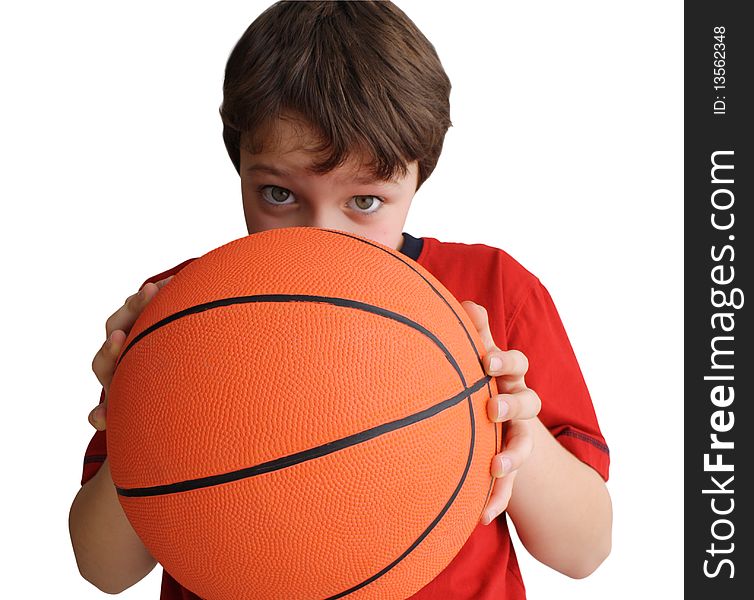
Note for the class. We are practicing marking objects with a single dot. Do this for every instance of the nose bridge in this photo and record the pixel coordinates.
(324, 211)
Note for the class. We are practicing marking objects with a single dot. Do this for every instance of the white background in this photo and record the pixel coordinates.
(566, 151)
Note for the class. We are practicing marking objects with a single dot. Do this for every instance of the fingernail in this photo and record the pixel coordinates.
(495, 363)
(488, 516)
(502, 408)
(500, 466)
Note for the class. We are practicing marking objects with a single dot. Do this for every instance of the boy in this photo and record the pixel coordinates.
(334, 115)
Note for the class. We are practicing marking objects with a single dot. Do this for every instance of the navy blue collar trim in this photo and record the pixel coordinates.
(412, 247)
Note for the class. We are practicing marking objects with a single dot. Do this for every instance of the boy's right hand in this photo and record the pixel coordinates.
(117, 327)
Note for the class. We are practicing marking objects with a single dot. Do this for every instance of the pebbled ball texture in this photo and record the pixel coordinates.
(301, 414)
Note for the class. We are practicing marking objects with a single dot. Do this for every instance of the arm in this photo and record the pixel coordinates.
(561, 508)
(108, 552)
(560, 505)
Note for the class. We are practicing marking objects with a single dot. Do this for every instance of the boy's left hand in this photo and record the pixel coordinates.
(514, 403)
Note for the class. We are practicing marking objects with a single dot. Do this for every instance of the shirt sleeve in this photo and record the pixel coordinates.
(567, 411)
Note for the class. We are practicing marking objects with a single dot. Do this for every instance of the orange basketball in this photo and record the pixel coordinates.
(301, 414)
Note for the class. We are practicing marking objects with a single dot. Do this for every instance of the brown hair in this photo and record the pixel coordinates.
(360, 73)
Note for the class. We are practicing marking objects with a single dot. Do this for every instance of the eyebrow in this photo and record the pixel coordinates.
(265, 168)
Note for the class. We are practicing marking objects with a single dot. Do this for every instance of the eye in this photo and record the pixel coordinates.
(275, 195)
(367, 203)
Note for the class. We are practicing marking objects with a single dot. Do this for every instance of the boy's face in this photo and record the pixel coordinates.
(278, 190)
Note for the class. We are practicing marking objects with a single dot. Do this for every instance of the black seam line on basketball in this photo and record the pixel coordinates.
(429, 283)
(434, 522)
(305, 455)
(383, 312)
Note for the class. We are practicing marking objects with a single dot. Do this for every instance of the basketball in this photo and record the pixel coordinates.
(301, 414)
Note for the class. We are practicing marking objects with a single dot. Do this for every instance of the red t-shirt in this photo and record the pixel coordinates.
(522, 316)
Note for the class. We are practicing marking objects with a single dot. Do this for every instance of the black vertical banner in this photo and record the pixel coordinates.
(719, 300)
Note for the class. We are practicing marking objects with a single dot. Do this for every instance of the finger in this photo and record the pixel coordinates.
(161, 283)
(126, 315)
(92, 418)
(520, 405)
(499, 498)
(103, 363)
(98, 417)
(513, 364)
(478, 316)
(519, 443)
